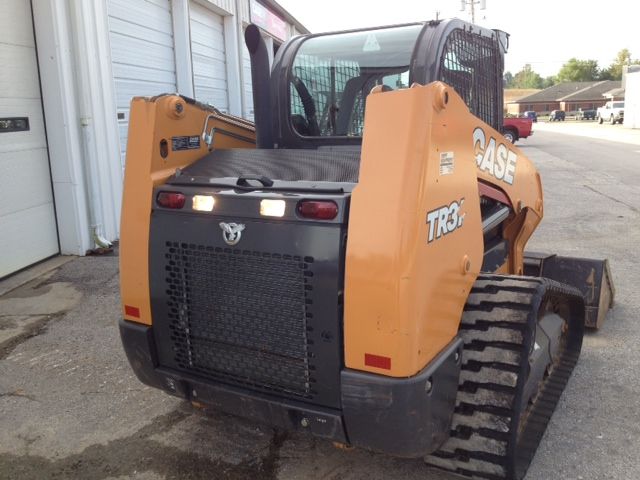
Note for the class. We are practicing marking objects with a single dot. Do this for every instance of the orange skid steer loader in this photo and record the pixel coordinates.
(358, 273)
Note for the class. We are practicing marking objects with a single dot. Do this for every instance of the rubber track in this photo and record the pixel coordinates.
(489, 439)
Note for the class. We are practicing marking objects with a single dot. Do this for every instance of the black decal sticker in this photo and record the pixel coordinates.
(14, 124)
(185, 143)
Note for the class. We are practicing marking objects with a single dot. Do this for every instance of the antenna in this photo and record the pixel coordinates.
(472, 4)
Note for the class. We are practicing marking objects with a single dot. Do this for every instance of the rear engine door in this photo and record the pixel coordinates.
(247, 291)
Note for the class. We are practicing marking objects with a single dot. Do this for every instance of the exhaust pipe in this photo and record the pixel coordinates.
(260, 76)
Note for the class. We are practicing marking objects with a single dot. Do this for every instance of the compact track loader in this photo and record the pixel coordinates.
(353, 263)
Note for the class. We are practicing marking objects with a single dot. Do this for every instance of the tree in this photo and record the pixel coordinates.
(549, 81)
(508, 80)
(579, 71)
(605, 74)
(614, 72)
(527, 78)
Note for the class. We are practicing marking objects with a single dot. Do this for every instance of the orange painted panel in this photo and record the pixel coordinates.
(153, 120)
(415, 244)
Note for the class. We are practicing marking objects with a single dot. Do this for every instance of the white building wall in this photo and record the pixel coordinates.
(89, 61)
(226, 6)
(244, 9)
(95, 96)
(632, 101)
(57, 66)
(74, 61)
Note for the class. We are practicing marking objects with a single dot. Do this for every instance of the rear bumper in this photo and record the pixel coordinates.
(407, 417)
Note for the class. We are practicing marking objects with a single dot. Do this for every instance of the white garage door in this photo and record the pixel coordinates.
(248, 86)
(208, 56)
(27, 218)
(142, 56)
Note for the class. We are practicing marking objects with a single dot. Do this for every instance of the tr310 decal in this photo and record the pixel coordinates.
(444, 220)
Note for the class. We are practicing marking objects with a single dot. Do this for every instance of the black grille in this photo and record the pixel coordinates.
(472, 65)
(241, 316)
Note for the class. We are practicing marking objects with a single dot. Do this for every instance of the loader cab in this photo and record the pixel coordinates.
(319, 83)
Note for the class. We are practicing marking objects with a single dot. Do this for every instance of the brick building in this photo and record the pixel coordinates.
(568, 96)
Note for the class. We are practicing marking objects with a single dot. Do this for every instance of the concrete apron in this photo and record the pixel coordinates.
(26, 309)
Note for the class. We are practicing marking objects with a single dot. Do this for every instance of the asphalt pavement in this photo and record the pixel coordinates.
(70, 406)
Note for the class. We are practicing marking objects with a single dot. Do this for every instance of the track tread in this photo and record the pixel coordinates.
(496, 327)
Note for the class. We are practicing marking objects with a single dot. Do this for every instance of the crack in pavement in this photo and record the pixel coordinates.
(630, 207)
(19, 394)
(138, 453)
(33, 330)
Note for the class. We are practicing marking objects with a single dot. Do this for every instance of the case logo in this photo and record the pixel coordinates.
(494, 158)
(231, 232)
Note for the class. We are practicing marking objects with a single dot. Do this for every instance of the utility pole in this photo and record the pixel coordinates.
(472, 4)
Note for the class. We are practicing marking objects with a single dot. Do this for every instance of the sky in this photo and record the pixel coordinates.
(544, 33)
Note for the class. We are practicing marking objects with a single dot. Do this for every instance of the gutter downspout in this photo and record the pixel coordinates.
(82, 20)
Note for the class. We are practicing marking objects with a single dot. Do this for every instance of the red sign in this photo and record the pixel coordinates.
(268, 20)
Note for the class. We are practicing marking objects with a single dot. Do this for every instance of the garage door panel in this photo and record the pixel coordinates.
(18, 72)
(214, 28)
(210, 82)
(203, 34)
(248, 87)
(203, 15)
(215, 98)
(134, 31)
(25, 181)
(28, 236)
(33, 138)
(12, 26)
(209, 69)
(123, 131)
(27, 218)
(208, 54)
(138, 52)
(130, 72)
(150, 15)
(127, 89)
(209, 57)
(142, 54)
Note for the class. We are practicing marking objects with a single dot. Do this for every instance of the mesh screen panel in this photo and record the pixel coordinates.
(472, 65)
(241, 316)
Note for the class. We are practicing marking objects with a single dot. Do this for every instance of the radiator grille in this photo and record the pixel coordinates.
(242, 316)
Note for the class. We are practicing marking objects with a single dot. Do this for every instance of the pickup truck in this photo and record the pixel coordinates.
(514, 129)
(613, 112)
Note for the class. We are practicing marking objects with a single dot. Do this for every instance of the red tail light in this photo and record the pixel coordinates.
(316, 209)
(170, 199)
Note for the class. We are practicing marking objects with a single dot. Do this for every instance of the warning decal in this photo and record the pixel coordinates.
(446, 163)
